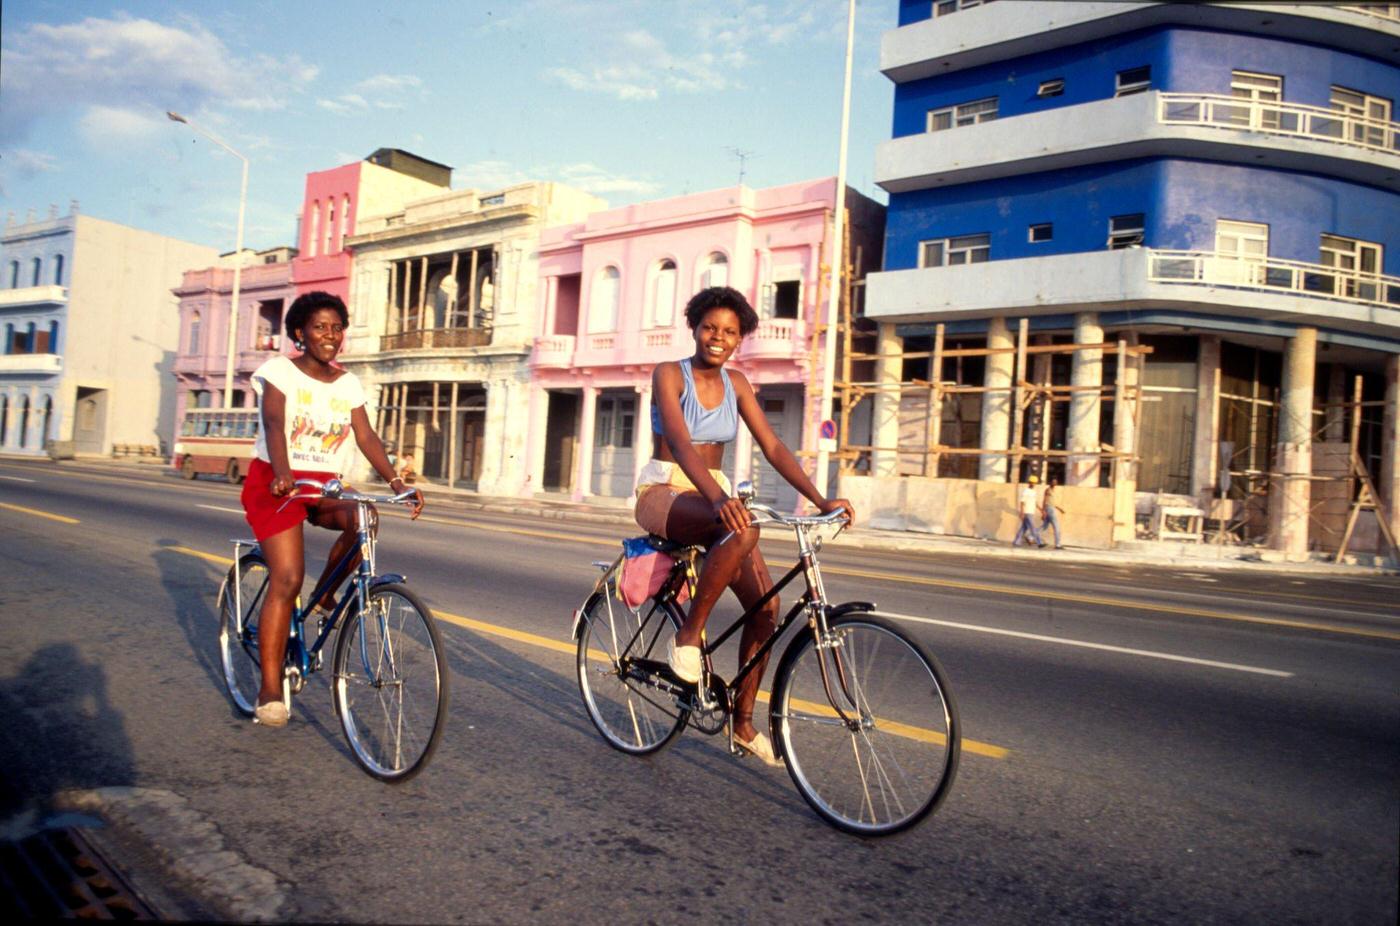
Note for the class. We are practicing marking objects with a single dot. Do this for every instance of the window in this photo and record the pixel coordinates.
(715, 271)
(4, 417)
(9, 344)
(615, 421)
(662, 290)
(499, 199)
(38, 271)
(313, 238)
(787, 298)
(950, 252)
(944, 7)
(952, 117)
(345, 228)
(602, 302)
(330, 227)
(1133, 80)
(1260, 91)
(1054, 87)
(23, 419)
(1125, 231)
(194, 334)
(1354, 261)
(53, 337)
(58, 270)
(14, 274)
(1042, 232)
(1368, 116)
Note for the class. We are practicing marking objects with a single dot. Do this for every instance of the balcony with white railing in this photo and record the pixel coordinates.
(1143, 280)
(1314, 122)
(1389, 11)
(29, 297)
(1297, 278)
(31, 363)
(553, 352)
(1281, 136)
(775, 339)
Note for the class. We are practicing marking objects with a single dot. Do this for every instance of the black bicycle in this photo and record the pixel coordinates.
(861, 714)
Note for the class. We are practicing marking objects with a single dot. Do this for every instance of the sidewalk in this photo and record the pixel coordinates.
(615, 513)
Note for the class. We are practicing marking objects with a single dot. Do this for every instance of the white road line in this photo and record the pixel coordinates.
(221, 508)
(18, 479)
(1086, 645)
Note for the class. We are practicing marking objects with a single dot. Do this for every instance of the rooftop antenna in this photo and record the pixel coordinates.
(743, 157)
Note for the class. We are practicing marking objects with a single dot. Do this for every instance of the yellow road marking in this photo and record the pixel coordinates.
(211, 557)
(1111, 602)
(64, 519)
(902, 729)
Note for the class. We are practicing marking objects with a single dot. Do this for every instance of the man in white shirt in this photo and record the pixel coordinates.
(1028, 507)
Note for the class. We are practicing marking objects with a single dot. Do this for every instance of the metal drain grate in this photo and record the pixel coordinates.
(58, 874)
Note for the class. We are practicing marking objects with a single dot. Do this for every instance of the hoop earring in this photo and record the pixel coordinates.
(300, 345)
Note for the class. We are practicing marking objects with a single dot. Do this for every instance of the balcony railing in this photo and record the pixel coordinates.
(602, 341)
(774, 338)
(661, 338)
(436, 337)
(1290, 276)
(31, 363)
(553, 351)
(1383, 10)
(1226, 112)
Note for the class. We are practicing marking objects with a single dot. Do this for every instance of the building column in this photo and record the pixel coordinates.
(537, 439)
(884, 421)
(551, 304)
(1389, 487)
(1289, 489)
(1041, 375)
(1337, 399)
(1205, 456)
(1085, 403)
(583, 468)
(996, 403)
(1125, 440)
(641, 431)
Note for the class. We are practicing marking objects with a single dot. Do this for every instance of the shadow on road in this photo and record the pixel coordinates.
(193, 587)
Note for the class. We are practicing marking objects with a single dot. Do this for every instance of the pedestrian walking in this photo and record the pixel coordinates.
(1028, 507)
(1050, 512)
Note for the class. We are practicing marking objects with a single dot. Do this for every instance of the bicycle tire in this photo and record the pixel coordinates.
(238, 650)
(898, 766)
(390, 683)
(631, 717)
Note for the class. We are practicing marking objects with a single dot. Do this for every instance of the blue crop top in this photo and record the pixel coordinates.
(717, 425)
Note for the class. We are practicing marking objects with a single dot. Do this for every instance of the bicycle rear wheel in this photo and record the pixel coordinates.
(632, 714)
(894, 764)
(390, 682)
(238, 640)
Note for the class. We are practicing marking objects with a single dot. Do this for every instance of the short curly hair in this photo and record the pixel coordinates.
(307, 305)
(721, 297)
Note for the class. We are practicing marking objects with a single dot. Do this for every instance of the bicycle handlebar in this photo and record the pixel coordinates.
(772, 516)
(333, 488)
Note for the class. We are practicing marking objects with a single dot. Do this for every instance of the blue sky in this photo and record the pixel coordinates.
(629, 99)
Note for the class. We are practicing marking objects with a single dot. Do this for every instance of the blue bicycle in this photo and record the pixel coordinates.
(389, 671)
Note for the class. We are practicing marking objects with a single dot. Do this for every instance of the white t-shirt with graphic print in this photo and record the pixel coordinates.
(317, 420)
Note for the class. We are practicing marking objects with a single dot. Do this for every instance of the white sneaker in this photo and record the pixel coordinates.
(684, 661)
(271, 714)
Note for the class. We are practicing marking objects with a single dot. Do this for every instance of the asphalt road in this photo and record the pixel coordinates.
(1141, 745)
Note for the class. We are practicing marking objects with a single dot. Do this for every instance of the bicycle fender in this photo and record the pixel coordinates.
(389, 578)
(850, 607)
(578, 617)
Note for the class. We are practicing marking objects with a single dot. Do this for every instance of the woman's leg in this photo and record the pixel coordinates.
(286, 568)
(340, 516)
(691, 520)
(752, 582)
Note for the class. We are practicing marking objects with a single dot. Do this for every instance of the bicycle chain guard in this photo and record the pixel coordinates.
(711, 718)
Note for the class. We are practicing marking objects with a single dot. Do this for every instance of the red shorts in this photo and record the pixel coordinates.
(270, 514)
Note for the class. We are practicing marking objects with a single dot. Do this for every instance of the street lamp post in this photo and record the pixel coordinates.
(838, 258)
(237, 254)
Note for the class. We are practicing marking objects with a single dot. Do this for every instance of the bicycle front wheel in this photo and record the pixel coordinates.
(892, 760)
(633, 714)
(238, 639)
(390, 683)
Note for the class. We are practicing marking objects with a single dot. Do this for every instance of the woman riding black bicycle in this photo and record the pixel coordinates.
(309, 407)
(682, 494)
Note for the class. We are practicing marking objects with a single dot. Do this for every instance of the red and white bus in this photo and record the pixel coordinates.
(216, 440)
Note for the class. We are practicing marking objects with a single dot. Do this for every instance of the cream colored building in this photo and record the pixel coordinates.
(443, 314)
(90, 328)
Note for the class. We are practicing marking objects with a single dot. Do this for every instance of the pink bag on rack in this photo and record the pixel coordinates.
(644, 571)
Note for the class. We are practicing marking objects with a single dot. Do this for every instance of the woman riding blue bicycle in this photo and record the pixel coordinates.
(683, 495)
(309, 408)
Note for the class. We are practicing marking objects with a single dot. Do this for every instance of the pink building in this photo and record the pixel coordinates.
(336, 198)
(201, 359)
(614, 289)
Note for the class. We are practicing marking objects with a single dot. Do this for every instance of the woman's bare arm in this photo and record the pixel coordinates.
(373, 448)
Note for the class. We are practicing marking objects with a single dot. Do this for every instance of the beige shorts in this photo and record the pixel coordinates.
(658, 487)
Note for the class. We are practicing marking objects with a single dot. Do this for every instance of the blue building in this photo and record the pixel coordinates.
(1216, 184)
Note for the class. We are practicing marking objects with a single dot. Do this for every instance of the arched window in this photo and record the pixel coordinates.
(714, 271)
(45, 416)
(29, 341)
(603, 301)
(58, 270)
(53, 337)
(444, 294)
(345, 228)
(4, 418)
(23, 420)
(14, 274)
(9, 337)
(315, 230)
(194, 333)
(38, 271)
(661, 293)
(330, 226)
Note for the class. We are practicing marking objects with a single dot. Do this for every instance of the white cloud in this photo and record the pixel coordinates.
(119, 125)
(133, 64)
(345, 103)
(28, 163)
(390, 82)
(494, 174)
